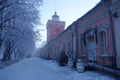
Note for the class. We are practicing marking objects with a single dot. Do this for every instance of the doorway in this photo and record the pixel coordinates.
(91, 46)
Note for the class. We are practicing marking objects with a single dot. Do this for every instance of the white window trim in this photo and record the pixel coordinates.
(103, 28)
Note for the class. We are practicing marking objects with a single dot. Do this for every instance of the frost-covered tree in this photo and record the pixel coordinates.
(17, 22)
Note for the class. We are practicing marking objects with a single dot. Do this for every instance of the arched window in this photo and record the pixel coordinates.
(102, 40)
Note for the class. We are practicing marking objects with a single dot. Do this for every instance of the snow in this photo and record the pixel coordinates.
(40, 69)
(74, 75)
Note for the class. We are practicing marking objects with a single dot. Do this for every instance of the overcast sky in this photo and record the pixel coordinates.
(68, 10)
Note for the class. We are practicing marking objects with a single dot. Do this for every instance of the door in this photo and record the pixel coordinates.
(91, 51)
(91, 46)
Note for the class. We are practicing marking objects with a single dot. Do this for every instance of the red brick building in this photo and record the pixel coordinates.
(94, 32)
(93, 38)
(54, 27)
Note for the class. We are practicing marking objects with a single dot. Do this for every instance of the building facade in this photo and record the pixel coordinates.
(93, 38)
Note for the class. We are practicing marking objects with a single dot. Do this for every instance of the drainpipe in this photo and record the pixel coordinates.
(74, 37)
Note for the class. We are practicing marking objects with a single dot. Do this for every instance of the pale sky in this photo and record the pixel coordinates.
(68, 11)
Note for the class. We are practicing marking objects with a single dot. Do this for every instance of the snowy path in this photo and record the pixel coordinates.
(74, 75)
(38, 69)
(30, 69)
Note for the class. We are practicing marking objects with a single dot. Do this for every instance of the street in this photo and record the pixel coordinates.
(40, 69)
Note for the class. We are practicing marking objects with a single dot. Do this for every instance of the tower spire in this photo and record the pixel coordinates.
(55, 17)
(55, 5)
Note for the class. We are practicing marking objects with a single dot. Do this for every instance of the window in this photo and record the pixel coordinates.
(102, 40)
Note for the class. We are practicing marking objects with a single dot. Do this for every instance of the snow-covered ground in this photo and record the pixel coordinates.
(39, 69)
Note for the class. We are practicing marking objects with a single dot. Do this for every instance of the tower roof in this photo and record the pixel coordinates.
(55, 17)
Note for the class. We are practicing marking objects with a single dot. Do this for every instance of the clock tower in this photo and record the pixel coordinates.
(54, 27)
